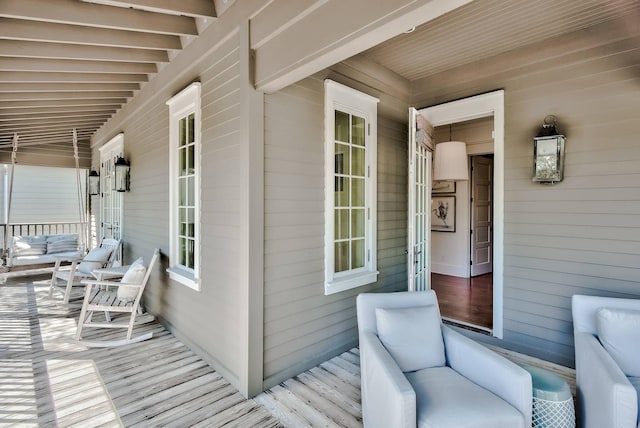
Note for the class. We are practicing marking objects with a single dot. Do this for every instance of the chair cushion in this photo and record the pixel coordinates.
(444, 398)
(619, 333)
(133, 275)
(635, 382)
(29, 245)
(413, 336)
(61, 243)
(94, 260)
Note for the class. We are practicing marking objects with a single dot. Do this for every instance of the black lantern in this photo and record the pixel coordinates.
(94, 183)
(121, 176)
(548, 153)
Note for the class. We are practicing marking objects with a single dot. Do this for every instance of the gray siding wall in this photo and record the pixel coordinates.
(581, 235)
(302, 325)
(208, 320)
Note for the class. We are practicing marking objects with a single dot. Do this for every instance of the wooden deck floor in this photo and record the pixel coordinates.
(47, 379)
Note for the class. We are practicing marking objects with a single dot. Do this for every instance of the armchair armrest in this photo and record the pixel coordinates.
(605, 395)
(388, 400)
(491, 371)
(93, 282)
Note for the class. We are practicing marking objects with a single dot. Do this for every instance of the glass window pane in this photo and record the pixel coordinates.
(182, 243)
(357, 130)
(191, 188)
(357, 161)
(357, 223)
(341, 256)
(191, 160)
(191, 120)
(357, 190)
(182, 164)
(342, 224)
(182, 191)
(357, 254)
(342, 196)
(342, 162)
(191, 230)
(182, 126)
(191, 253)
(342, 126)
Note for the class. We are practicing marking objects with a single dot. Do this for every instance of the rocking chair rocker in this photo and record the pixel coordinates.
(115, 297)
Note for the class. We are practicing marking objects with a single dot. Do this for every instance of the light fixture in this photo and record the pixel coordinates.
(451, 161)
(121, 176)
(94, 183)
(548, 153)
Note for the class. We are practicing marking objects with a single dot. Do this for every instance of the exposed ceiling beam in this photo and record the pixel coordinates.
(74, 66)
(37, 76)
(33, 104)
(67, 87)
(47, 127)
(46, 110)
(28, 96)
(195, 8)
(52, 117)
(27, 49)
(99, 16)
(16, 29)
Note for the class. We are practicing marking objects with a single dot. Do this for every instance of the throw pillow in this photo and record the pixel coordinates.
(619, 333)
(133, 275)
(29, 245)
(62, 243)
(94, 260)
(413, 336)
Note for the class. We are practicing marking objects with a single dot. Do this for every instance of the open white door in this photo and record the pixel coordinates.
(419, 224)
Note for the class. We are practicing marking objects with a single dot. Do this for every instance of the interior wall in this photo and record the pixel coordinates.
(580, 236)
(450, 251)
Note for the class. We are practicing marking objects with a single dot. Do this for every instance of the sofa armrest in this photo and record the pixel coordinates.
(388, 400)
(605, 395)
(491, 371)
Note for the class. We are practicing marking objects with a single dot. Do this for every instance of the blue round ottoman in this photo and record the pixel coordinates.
(552, 400)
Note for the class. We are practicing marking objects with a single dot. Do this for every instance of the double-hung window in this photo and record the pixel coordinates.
(350, 188)
(184, 167)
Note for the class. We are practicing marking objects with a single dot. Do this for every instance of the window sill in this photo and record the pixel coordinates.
(349, 282)
(184, 277)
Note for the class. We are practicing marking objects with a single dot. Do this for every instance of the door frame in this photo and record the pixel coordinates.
(485, 105)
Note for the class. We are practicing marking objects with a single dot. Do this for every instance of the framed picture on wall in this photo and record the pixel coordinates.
(443, 187)
(443, 213)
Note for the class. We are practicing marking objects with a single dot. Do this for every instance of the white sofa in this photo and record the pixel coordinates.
(417, 372)
(42, 249)
(607, 345)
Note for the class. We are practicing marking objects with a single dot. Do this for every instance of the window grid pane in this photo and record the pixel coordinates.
(186, 180)
(349, 192)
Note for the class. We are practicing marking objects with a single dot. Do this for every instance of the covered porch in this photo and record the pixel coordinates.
(49, 379)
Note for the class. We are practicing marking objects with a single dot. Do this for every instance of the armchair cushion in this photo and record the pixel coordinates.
(133, 275)
(619, 333)
(446, 399)
(94, 260)
(413, 336)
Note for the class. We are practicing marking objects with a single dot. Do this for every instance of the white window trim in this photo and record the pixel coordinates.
(185, 102)
(338, 96)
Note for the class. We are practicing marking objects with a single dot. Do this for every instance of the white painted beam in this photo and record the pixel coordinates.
(67, 87)
(62, 95)
(37, 76)
(194, 8)
(75, 66)
(33, 104)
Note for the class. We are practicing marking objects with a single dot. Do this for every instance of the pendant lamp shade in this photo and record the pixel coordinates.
(451, 162)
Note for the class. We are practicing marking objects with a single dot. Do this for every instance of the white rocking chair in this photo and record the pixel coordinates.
(82, 268)
(121, 297)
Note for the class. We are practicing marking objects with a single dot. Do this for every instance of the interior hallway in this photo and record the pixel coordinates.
(468, 300)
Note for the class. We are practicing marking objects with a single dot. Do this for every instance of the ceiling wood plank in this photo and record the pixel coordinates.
(95, 15)
(75, 66)
(27, 49)
(37, 76)
(194, 8)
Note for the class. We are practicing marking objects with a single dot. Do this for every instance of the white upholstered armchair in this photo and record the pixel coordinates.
(607, 342)
(417, 372)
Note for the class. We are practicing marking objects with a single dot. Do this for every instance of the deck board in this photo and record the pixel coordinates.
(48, 379)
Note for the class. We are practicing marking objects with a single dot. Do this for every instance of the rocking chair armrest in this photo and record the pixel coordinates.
(109, 283)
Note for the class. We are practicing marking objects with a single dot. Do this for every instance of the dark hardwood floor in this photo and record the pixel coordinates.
(468, 300)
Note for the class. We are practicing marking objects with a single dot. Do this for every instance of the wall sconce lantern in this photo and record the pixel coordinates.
(548, 153)
(94, 183)
(121, 176)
